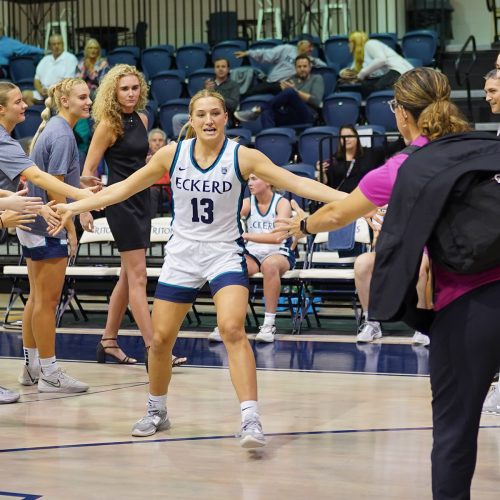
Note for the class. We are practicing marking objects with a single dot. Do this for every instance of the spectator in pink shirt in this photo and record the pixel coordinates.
(464, 350)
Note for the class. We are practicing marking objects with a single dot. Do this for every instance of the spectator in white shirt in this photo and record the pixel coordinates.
(376, 66)
(51, 69)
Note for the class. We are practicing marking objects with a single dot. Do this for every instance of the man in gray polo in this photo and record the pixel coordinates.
(298, 101)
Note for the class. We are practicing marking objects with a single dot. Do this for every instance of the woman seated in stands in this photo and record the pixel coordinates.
(265, 252)
(92, 67)
(375, 64)
(351, 162)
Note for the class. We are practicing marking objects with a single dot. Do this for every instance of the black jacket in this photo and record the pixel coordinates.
(422, 187)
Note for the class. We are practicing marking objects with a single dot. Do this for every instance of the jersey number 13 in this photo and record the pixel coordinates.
(203, 210)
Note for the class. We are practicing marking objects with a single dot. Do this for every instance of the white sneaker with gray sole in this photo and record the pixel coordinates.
(7, 396)
(60, 381)
(251, 435)
(29, 376)
(152, 422)
(369, 331)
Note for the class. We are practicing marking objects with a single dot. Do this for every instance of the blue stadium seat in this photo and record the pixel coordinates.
(167, 85)
(242, 135)
(121, 55)
(22, 69)
(226, 50)
(191, 57)
(311, 140)
(341, 108)
(154, 60)
(30, 125)
(329, 75)
(390, 39)
(196, 80)
(420, 44)
(168, 110)
(276, 143)
(152, 112)
(378, 111)
(337, 51)
(248, 103)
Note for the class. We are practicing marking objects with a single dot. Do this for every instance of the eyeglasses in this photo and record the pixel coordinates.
(393, 104)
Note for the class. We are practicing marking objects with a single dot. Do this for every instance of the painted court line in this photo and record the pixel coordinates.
(230, 436)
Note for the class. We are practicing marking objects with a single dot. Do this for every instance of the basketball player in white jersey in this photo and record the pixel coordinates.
(266, 253)
(492, 91)
(208, 175)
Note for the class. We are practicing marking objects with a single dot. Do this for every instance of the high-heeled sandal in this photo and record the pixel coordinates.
(101, 354)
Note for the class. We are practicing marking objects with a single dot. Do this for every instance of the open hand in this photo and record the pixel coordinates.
(17, 219)
(65, 213)
(50, 215)
(19, 202)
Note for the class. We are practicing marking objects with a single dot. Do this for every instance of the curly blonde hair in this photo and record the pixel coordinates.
(53, 102)
(425, 93)
(106, 106)
(358, 40)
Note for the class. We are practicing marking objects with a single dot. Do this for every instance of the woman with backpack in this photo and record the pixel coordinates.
(465, 350)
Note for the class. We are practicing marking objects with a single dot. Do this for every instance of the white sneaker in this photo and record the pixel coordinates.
(29, 376)
(492, 402)
(251, 433)
(368, 331)
(153, 421)
(266, 333)
(421, 338)
(7, 396)
(60, 381)
(215, 335)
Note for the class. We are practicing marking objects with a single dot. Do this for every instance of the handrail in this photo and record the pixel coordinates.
(490, 4)
(458, 61)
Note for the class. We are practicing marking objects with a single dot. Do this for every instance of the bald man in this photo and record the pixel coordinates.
(53, 68)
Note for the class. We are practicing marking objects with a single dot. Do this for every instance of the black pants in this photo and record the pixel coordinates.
(464, 355)
(385, 82)
(264, 88)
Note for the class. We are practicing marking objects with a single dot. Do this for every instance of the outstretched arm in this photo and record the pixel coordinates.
(138, 181)
(328, 218)
(254, 162)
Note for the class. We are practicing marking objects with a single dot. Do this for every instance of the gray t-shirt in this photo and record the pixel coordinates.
(13, 161)
(56, 153)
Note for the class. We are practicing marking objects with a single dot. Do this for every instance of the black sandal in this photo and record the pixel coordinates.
(101, 354)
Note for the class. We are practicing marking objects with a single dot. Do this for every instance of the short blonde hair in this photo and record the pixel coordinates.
(106, 106)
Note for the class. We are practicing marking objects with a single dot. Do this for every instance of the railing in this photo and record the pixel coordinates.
(458, 61)
(491, 5)
(178, 23)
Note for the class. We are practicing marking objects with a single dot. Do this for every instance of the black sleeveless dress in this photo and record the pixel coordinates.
(130, 220)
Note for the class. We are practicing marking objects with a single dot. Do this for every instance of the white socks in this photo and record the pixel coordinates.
(157, 402)
(49, 365)
(269, 319)
(248, 409)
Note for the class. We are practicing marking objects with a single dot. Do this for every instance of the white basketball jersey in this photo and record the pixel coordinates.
(206, 202)
(258, 222)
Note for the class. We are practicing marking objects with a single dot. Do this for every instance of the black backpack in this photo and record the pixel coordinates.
(467, 237)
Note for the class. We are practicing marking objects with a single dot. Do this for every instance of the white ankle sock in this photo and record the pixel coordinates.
(31, 358)
(269, 319)
(49, 365)
(157, 402)
(248, 408)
